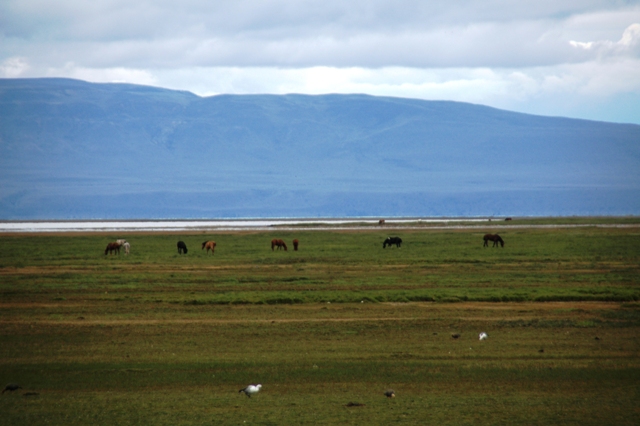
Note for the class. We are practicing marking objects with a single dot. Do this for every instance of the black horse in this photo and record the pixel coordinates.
(492, 237)
(182, 247)
(392, 240)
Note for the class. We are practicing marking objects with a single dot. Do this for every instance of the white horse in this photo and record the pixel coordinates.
(127, 247)
(121, 242)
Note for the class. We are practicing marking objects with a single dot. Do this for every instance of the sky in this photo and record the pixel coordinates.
(572, 58)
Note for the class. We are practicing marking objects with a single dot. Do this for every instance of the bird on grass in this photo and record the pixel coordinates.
(455, 336)
(389, 393)
(482, 336)
(11, 387)
(251, 389)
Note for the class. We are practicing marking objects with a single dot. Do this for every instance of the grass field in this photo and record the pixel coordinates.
(163, 339)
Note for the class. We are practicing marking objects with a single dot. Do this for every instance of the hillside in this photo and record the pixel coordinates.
(72, 149)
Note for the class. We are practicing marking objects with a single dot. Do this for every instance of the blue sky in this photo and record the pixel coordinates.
(574, 58)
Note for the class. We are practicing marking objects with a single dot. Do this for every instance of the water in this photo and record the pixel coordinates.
(205, 225)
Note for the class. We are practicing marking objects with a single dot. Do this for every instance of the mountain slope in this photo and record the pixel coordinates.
(71, 149)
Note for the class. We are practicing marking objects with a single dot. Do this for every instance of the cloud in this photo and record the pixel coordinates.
(304, 33)
(628, 45)
(13, 67)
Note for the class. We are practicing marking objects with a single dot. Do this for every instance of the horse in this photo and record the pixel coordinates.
(112, 247)
(121, 242)
(127, 247)
(278, 243)
(209, 245)
(295, 244)
(493, 237)
(381, 222)
(182, 247)
(392, 240)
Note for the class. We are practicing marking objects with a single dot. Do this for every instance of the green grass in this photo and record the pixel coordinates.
(158, 338)
(544, 265)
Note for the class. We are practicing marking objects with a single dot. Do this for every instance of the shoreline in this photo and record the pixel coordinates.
(171, 225)
(296, 224)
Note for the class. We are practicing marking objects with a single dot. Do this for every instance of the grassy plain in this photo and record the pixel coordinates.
(158, 338)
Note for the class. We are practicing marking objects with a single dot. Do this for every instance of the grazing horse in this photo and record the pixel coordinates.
(392, 240)
(209, 245)
(182, 247)
(121, 242)
(278, 243)
(295, 244)
(111, 248)
(492, 237)
(127, 247)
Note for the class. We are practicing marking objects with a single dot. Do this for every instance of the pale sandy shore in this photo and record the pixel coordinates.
(89, 226)
(197, 225)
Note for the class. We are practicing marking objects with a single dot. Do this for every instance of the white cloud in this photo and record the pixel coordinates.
(108, 75)
(307, 33)
(628, 45)
(13, 67)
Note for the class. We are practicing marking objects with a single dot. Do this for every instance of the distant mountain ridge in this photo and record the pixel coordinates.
(76, 150)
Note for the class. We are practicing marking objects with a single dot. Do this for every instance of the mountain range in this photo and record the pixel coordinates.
(70, 149)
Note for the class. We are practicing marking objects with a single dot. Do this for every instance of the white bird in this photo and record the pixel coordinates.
(482, 336)
(251, 389)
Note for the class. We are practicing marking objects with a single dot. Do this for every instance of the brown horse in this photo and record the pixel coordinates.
(209, 245)
(278, 243)
(111, 248)
(295, 244)
(381, 222)
(492, 237)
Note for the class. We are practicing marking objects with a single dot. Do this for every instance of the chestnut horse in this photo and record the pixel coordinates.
(492, 237)
(278, 243)
(209, 245)
(111, 248)
(295, 244)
